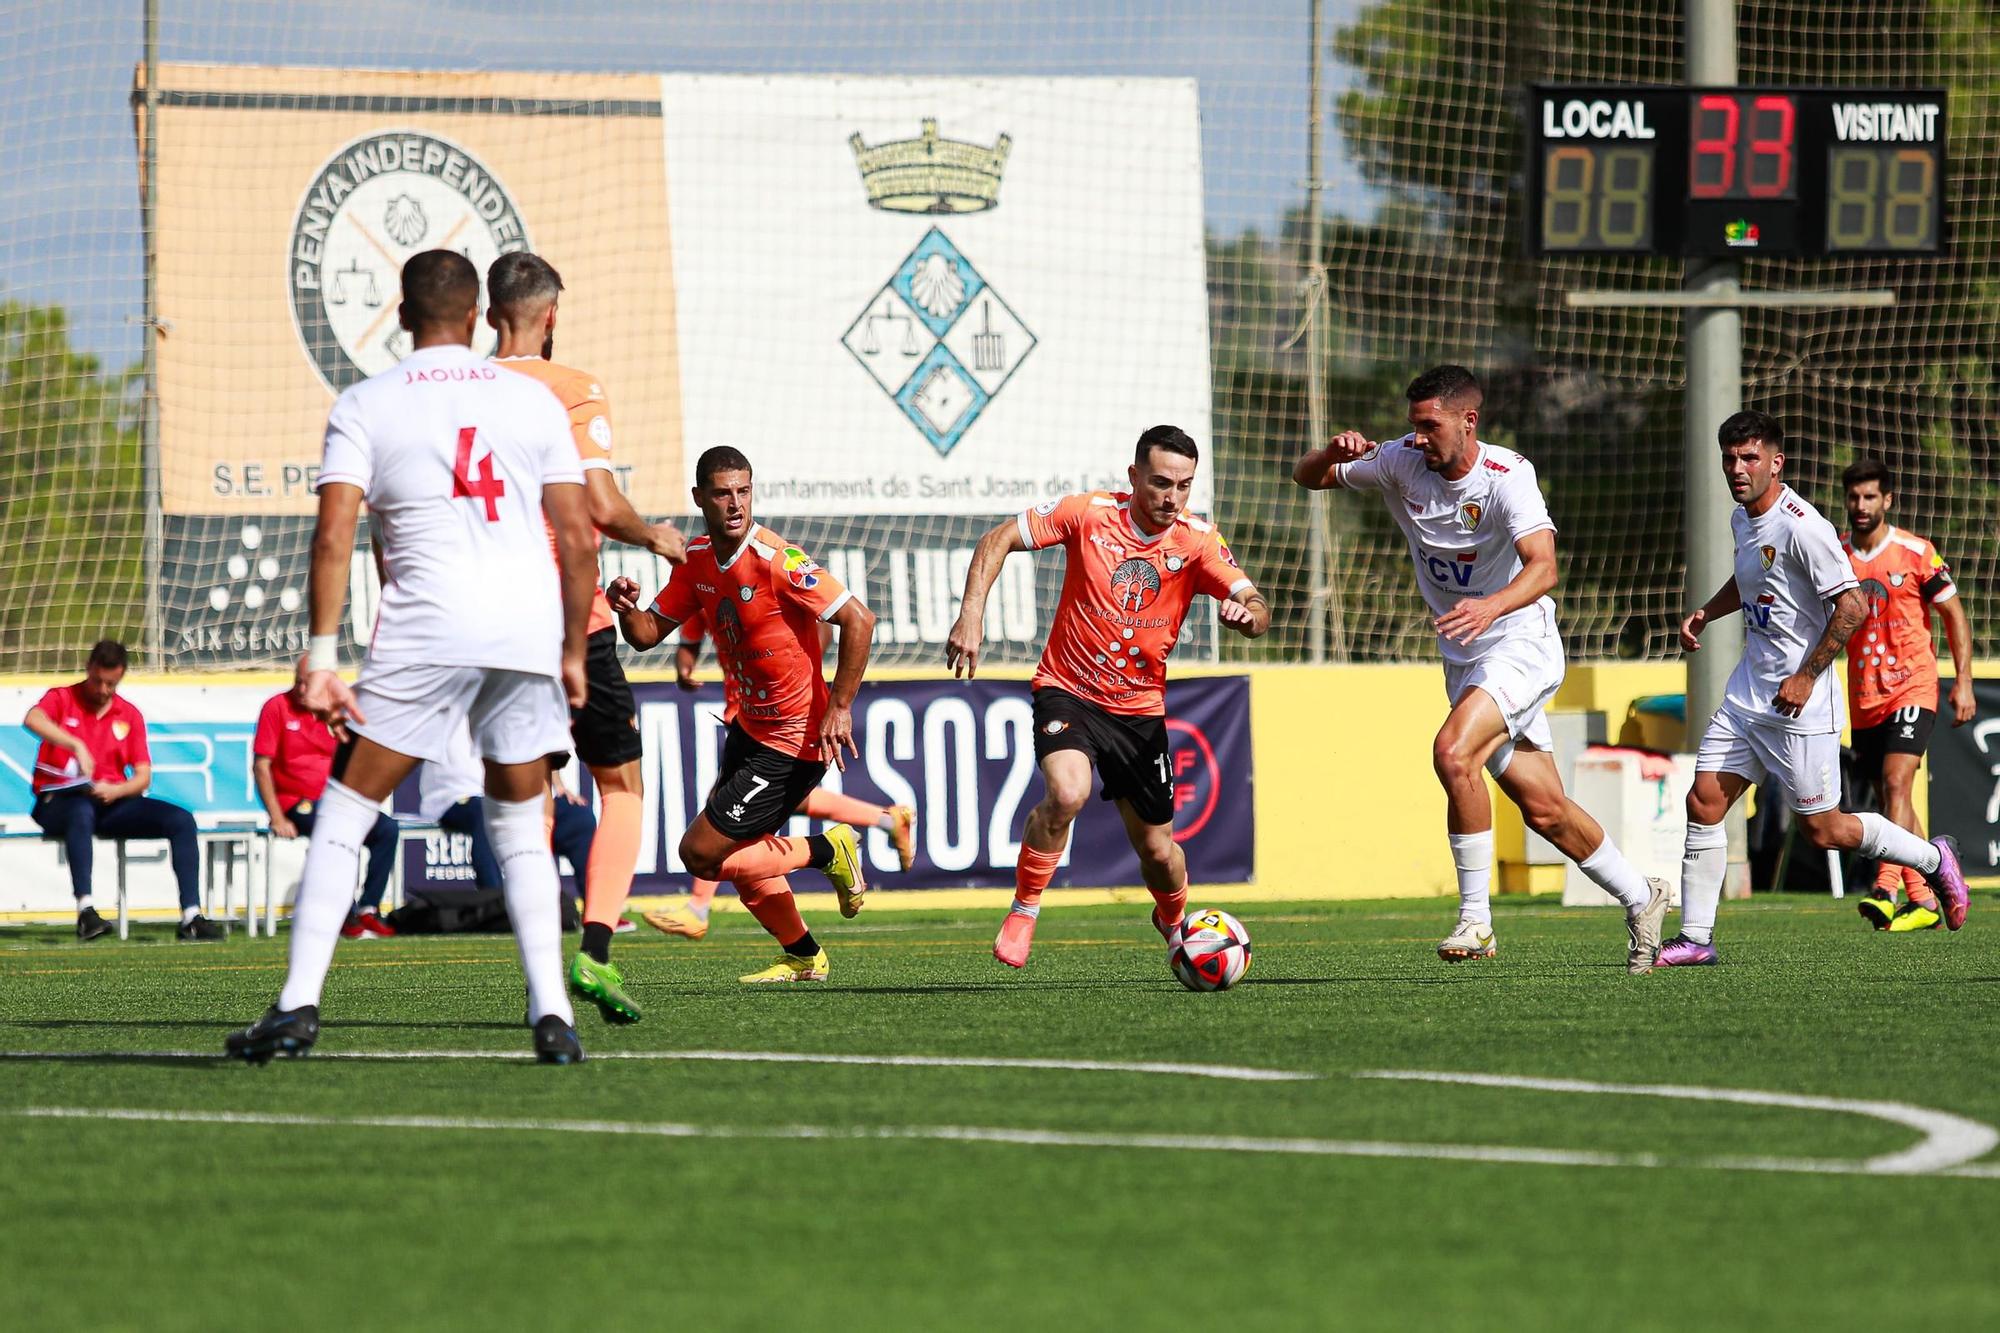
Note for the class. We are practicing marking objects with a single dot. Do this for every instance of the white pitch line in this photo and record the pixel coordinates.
(1950, 1141)
(1234, 1073)
(1039, 1138)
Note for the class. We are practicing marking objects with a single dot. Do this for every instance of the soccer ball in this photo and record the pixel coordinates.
(1209, 951)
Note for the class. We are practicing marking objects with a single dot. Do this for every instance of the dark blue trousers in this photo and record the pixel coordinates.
(74, 818)
(576, 829)
(381, 845)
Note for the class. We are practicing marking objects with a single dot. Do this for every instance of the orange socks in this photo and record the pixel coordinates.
(701, 893)
(771, 902)
(1033, 869)
(822, 804)
(613, 854)
(1171, 907)
(767, 858)
(1915, 888)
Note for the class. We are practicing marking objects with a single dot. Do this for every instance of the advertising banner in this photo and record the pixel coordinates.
(962, 755)
(1965, 780)
(918, 305)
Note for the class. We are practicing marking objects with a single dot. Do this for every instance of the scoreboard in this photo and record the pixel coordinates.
(1736, 171)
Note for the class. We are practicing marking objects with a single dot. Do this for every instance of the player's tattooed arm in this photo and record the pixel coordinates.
(1316, 471)
(1247, 613)
(1849, 610)
(613, 515)
(1728, 598)
(961, 648)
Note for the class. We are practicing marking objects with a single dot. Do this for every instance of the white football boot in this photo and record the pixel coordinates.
(1472, 938)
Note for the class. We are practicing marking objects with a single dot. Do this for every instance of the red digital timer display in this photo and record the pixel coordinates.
(1727, 171)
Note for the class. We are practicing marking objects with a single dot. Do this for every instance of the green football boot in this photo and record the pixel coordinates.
(604, 986)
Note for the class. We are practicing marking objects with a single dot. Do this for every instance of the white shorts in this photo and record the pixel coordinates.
(1520, 676)
(1807, 764)
(515, 716)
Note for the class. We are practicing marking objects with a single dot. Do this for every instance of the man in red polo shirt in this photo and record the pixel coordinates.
(90, 771)
(294, 756)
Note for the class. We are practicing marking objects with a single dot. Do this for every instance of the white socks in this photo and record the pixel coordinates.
(326, 891)
(189, 913)
(1028, 910)
(1885, 841)
(1472, 857)
(1609, 870)
(528, 869)
(1703, 865)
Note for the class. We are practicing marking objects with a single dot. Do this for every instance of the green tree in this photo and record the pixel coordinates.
(71, 507)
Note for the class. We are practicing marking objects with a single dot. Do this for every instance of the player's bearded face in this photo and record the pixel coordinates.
(1750, 468)
(1866, 506)
(725, 504)
(1443, 433)
(1160, 487)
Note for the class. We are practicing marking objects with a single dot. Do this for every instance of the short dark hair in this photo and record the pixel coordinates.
(108, 654)
(1865, 469)
(722, 458)
(521, 279)
(1744, 427)
(439, 287)
(1171, 438)
(1450, 385)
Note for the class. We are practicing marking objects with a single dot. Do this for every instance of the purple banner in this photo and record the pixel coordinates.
(962, 754)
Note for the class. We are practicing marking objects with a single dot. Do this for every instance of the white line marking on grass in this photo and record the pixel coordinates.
(1036, 1138)
(1949, 1140)
(1234, 1073)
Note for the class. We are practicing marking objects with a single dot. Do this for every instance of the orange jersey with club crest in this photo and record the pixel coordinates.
(1124, 597)
(764, 609)
(590, 423)
(1891, 663)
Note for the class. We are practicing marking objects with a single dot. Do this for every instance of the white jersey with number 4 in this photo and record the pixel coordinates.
(452, 453)
(1789, 567)
(1462, 533)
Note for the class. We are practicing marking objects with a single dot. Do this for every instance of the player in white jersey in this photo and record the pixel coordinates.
(1782, 711)
(1485, 555)
(459, 461)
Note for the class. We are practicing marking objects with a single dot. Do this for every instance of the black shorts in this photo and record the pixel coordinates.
(606, 728)
(1905, 731)
(759, 788)
(1130, 752)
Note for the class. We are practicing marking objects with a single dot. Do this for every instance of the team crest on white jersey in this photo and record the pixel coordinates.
(1768, 554)
(373, 204)
(1469, 515)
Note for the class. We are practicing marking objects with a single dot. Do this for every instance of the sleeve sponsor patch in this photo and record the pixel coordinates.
(599, 431)
(800, 568)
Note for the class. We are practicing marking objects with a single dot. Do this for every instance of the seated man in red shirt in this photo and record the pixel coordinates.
(89, 772)
(294, 755)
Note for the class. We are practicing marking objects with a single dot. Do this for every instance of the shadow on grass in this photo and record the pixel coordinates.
(203, 1024)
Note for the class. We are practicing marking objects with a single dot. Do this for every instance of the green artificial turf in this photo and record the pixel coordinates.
(489, 1215)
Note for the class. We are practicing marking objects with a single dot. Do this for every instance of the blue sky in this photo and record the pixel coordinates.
(69, 218)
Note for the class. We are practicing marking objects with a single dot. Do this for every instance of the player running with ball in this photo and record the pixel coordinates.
(1135, 562)
(1485, 555)
(1782, 711)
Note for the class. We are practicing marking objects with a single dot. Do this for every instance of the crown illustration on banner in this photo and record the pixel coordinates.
(928, 174)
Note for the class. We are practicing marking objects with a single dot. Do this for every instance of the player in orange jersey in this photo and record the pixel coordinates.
(1135, 562)
(522, 293)
(690, 919)
(1892, 679)
(766, 601)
